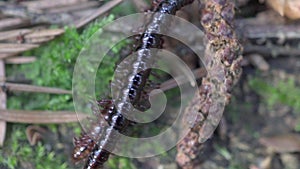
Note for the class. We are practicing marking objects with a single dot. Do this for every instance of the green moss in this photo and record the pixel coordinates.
(19, 153)
(120, 163)
(285, 92)
(53, 68)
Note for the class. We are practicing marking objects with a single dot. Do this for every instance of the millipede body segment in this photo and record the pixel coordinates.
(128, 87)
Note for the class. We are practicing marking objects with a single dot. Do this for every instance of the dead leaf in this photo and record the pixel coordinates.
(288, 8)
(286, 143)
(34, 134)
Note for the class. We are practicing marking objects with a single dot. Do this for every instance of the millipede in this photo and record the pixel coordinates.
(94, 143)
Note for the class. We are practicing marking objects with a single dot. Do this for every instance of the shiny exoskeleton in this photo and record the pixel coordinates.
(86, 143)
(129, 85)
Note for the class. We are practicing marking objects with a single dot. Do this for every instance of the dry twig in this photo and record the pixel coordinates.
(32, 88)
(2, 104)
(103, 9)
(20, 60)
(40, 116)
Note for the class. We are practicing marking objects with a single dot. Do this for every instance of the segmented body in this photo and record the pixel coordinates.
(86, 143)
(129, 86)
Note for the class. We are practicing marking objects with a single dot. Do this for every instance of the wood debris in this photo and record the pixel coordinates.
(25, 25)
(285, 143)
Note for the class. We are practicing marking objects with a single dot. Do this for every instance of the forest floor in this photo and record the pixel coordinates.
(260, 126)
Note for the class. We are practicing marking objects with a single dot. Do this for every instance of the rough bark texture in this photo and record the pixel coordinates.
(222, 59)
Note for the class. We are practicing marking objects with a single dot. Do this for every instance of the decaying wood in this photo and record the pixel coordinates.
(20, 40)
(40, 116)
(223, 64)
(16, 41)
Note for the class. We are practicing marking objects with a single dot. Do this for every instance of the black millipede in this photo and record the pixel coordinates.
(129, 89)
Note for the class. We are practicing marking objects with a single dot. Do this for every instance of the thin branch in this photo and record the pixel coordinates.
(20, 60)
(40, 116)
(44, 33)
(14, 48)
(103, 9)
(37, 4)
(14, 33)
(2, 104)
(198, 73)
(74, 7)
(275, 31)
(11, 23)
(6, 55)
(272, 50)
(32, 88)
